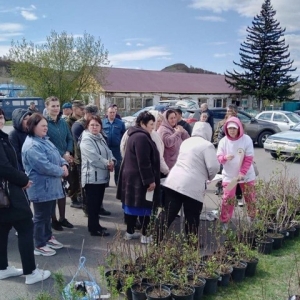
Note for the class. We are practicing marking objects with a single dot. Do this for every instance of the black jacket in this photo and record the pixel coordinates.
(19, 208)
(17, 136)
(186, 126)
(140, 167)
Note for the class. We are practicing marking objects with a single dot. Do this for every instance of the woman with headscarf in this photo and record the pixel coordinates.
(186, 182)
(172, 136)
(235, 152)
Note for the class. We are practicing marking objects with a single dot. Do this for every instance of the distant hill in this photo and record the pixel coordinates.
(185, 69)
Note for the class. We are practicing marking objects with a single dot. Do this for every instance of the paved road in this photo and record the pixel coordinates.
(94, 248)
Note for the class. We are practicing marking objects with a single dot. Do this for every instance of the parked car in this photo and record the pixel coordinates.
(192, 116)
(187, 104)
(297, 112)
(258, 130)
(130, 120)
(284, 143)
(284, 119)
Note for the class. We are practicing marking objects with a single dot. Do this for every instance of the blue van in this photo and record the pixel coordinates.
(9, 104)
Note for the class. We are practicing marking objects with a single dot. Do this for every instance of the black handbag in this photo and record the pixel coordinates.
(4, 199)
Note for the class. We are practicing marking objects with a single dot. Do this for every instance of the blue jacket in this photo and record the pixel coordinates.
(43, 165)
(114, 132)
(60, 135)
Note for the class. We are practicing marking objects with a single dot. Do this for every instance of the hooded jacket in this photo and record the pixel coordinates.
(172, 140)
(140, 167)
(196, 163)
(18, 135)
(95, 156)
(229, 145)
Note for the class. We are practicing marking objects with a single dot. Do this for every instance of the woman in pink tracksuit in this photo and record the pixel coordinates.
(235, 152)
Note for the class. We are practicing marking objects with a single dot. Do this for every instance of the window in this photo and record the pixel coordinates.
(136, 103)
(218, 103)
(280, 118)
(119, 101)
(148, 101)
(17, 102)
(243, 118)
(265, 116)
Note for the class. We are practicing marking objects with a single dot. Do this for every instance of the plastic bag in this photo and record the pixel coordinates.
(88, 288)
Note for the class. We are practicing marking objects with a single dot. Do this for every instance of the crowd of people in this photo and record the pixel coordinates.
(52, 155)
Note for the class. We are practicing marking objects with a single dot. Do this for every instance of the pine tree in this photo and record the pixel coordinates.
(265, 60)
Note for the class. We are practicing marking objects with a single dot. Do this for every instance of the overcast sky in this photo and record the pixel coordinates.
(151, 34)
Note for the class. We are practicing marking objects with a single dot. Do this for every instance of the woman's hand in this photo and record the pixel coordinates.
(240, 177)
(29, 184)
(68, 157)
(229, 157)
(110, 166)
(66, 171)
(151, 187)
(179, 128)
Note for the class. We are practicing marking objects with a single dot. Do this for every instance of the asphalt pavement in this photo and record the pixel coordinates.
(77, 241)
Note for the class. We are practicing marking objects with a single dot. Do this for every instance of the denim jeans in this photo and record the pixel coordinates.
(42, 222)
(25, 242)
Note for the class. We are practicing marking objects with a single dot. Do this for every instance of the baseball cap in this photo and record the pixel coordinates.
(67, 105)
(232, 125)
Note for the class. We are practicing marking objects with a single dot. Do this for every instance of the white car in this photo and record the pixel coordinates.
(285, 120)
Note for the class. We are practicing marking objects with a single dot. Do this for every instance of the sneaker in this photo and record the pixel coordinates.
(53, 243)
(44, 251)
(10, 272)
(66, 223)
(76, 204)
(131, 236)
(207, 216)
(37, 275)
(56, 226)
(104, 212)
(146, 239)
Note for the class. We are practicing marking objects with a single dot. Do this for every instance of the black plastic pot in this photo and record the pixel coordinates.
(265, 246)
(199, 288)
(139, 291)
(224, 279)
(189, 291)
(165, 290)
(291, 233)
(111, 277)
(238, 273)
(211, 285)
(251, 268)
(278, 240)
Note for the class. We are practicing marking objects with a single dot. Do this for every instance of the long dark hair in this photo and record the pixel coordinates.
(2, 112)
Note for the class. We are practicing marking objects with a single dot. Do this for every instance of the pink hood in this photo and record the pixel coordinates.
(240, 130)
(165, 122)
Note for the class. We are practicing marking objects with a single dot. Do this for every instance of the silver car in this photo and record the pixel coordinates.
(284, 143)
(283, 119)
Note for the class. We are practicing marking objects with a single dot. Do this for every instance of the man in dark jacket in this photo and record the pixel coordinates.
(181, 122)
(114, 130)
(210, 120)
(18, 135)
